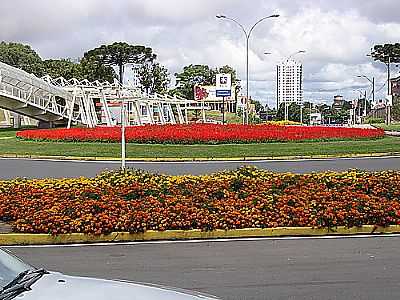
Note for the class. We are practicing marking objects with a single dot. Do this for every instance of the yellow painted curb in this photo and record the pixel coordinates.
(10, 239)
(191, 159)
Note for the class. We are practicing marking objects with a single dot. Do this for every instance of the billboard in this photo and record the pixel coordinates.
(209, 93)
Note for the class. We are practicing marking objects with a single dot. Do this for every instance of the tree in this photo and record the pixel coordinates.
(386, 53)
(258, 106)
(294, 113)
(201, 75)
(60, 68)
(86, 69)
(119, 54)
(193, 75)
(93, 70)
(154, 78)
(22, 57)
(224, 70)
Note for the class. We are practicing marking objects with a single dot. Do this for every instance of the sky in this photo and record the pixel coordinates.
(336, 35)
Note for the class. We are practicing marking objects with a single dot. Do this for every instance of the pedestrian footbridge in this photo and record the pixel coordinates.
(57, 101)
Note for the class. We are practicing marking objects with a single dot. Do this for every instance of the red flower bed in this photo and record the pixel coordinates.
(202, 133)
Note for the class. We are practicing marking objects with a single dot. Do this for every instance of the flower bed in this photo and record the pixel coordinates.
(202, 133)
(133, 201)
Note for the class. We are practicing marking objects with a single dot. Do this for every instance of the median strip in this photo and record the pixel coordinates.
(190, 159)
(11, 239)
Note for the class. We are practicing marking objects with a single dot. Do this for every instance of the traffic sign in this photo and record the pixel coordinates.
(223, 93)
(224, 85)
(224, 81)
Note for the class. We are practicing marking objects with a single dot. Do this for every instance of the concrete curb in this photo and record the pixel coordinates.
(192, 159)
(80, 238)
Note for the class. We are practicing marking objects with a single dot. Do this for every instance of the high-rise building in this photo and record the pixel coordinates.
(289, 83)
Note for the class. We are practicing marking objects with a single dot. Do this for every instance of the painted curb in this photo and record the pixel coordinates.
(11, 239)
(199, 159)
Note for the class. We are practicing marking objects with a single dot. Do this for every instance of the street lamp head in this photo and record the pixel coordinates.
(267, 53)
(274, 16)
(302, 51)
(221, 17)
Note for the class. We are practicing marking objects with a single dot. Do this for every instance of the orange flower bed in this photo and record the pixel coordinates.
(133, 201)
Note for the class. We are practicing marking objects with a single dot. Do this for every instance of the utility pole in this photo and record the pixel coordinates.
(365, 103)
(223, 110)
(388, 105)
(301, 113)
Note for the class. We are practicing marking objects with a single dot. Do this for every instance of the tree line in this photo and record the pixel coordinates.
(108, 62)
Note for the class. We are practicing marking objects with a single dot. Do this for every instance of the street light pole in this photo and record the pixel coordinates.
(388, 107)
(372, 81)
(247, 35)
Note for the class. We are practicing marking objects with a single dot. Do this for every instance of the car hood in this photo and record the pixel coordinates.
(58, 286)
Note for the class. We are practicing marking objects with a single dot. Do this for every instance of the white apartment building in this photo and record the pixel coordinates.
(289, 83)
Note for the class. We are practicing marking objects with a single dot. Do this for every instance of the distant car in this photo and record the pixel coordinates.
(21, 281)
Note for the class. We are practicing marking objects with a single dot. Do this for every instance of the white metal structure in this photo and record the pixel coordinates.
(8, 119)
(67, 102)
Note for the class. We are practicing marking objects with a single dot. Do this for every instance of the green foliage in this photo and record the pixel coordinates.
(383, 52)
(154, 78)
(200, 75)
(259, 107)
(22, 57)
(61, 67)
(119, 54)
(294, 112)
(87, 69)
(191, 76)
(93, 70)
(373, 120)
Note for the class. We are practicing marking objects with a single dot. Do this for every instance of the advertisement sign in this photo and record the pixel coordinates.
(209, 93)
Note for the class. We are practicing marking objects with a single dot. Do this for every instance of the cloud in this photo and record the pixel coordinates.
(337, 35)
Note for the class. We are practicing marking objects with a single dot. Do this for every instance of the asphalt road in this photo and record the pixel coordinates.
(348, 268)
(11, 168)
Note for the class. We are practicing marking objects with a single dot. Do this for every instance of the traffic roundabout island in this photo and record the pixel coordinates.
(134, 205)
(198, 142)
(203, 134)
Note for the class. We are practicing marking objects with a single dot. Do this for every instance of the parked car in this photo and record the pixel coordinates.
(21, 281)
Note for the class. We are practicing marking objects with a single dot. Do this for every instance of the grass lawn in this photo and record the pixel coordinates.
(230, 118)
(19, 147)
(392, 127)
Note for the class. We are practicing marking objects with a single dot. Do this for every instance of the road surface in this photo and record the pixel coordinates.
(11, 168)
(345, 268)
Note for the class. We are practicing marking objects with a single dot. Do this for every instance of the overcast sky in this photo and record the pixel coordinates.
(337, 35)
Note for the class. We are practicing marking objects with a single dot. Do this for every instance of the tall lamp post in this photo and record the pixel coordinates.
(247, 35)
(372, 81)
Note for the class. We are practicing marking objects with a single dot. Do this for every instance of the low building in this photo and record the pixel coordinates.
(315, 119)
(338, 102)
(396, 86)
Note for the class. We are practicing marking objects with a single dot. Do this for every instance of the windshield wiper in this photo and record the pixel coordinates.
(21, 283)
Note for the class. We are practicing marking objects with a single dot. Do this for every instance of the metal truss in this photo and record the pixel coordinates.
(67, 102)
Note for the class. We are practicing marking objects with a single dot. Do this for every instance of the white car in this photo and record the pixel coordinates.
(21, 281)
